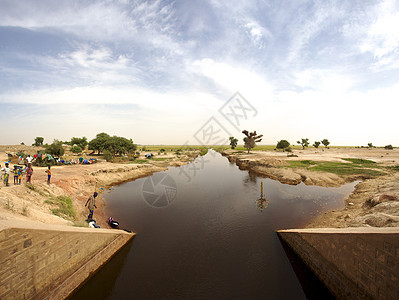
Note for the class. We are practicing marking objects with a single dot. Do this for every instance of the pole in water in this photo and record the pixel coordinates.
(261, 189)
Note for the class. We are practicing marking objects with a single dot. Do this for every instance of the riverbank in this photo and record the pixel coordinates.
(375, 200)
(62, 202)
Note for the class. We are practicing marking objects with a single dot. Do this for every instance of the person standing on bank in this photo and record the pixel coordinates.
(91, 204)
(48, 171)
(29, 172)
(7, 172)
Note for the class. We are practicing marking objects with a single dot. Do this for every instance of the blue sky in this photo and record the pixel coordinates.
(157, 71)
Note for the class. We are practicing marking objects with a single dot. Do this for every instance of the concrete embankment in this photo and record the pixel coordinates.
(41, 261)
(354, 263)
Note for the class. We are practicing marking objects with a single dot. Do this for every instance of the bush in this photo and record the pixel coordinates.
(76, 149)
(55, 149)
(107, 155)
(388, 147)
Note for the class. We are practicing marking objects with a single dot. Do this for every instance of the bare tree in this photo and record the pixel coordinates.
(251, 139)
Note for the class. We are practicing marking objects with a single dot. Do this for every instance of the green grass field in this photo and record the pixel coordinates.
(354, 166)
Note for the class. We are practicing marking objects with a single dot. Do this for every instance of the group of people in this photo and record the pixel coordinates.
(17, 171)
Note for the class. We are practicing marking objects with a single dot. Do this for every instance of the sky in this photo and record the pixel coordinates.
(197, 72)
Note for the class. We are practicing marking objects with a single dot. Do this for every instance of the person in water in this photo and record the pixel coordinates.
(91, 204)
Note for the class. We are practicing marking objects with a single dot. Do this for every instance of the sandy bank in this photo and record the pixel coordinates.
(20, 202)
(374, 202)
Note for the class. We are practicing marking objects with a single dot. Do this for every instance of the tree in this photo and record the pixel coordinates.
(80, 142)
(76, 149)
(119, 145)
(304, 143)
(370, 145)
(316, 144)
(251, 139)
(38, 141)
(388, 147)
(98, 143)
(325, 142)
(233, 142)
(55, 149)
(283, 144)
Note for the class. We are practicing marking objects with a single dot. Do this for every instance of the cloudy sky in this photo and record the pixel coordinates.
(166, 72)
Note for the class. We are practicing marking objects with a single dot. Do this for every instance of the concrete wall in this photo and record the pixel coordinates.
(354, 263)
(39, 261)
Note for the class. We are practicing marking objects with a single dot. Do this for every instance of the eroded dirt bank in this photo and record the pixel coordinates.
(374, 202)
(23, 202)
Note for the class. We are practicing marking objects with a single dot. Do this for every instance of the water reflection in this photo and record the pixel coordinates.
(262, 202)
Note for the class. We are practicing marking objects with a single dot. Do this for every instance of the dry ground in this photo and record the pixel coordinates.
(375, 200)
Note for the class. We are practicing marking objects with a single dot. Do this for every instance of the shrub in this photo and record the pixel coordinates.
(107, 155)
(76, 149)
(388, 147)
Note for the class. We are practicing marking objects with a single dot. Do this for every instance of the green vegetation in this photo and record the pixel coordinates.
(55, 149)
(251, 138)
(316, 144)
(354, 166)
(233, 142)
(76, 149)
(159, 158)
(283, 144)
(204, 151)
(38, 141)
(141, 161)
(80, 142)
(62, 207)
(33, 188)
(325, 142)
(304, 143)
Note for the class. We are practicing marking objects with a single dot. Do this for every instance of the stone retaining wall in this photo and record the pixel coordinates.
(47, 261)
(354, 263)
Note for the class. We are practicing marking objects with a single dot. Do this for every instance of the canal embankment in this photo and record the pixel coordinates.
(354, 263)
(39, 261)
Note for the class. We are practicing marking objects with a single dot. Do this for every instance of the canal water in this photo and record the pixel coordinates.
(204, 231)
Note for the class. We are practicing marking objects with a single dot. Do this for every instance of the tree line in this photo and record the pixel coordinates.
(102, 143)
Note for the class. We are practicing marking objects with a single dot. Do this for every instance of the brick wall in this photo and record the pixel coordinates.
(354, 263)
(37, 259)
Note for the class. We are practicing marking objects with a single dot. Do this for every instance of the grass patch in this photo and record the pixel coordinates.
(33, 188)
(204, 151)
(395, 168)
(62, 207)
(140, 161)
(360, 161)
(301, 163)
(339, 168)
(160, 158)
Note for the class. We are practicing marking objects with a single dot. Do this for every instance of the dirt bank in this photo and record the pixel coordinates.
(36, 201)
(375, 200)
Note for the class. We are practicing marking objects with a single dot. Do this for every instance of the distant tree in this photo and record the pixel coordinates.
(233, 142)
(304, 143)
(370, 145)
(76, 149)
(119, 145)
(388, 147)
(98, 143)
(283, 144)
(38, 141)
(22, 143)
(55, 149)
(81, 142)
(325, 142)
(251, 139)
(316, 144)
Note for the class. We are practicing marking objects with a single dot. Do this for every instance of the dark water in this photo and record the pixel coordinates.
(202, 235)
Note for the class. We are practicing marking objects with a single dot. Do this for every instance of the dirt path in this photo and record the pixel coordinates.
(375, 201)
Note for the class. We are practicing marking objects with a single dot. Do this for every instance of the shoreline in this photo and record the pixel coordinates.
(78, 182)
(374, 201)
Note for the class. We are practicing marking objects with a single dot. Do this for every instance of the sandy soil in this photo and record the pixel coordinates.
(76, 181)
(374, 202)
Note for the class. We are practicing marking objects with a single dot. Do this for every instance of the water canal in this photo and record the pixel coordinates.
(205, 232)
